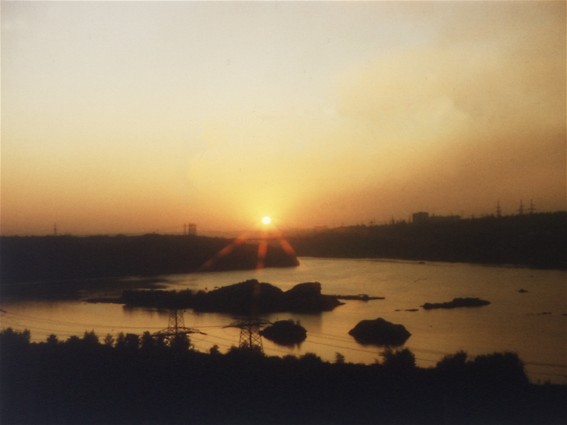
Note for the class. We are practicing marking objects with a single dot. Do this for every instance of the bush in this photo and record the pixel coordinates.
(398, 359)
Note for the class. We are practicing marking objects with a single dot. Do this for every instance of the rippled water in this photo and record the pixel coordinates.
(532, 323)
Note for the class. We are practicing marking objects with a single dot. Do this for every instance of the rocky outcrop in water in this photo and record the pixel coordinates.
(457, 302)
(248, 297)
(285, 332)
(379, 332)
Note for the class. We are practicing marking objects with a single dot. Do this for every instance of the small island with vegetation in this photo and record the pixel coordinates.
(285, 332)
(379, 332)
(248, 297)
(456, 303)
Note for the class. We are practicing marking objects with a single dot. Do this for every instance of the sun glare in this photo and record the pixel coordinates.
(266, 220)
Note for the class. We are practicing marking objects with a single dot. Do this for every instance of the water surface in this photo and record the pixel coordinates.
(532, 324)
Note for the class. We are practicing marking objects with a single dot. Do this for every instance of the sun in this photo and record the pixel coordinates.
(266, 220)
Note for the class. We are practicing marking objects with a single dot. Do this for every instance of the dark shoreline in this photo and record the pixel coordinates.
(60, 258)
(533, 240)
(136, 379)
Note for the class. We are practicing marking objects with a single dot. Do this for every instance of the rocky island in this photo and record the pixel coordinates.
(457, 302)
(248, 297)
(285, 332)
(379, 332)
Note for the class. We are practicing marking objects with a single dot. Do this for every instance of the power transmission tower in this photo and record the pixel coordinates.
(175, 327)
(250, 337)
(498, 210)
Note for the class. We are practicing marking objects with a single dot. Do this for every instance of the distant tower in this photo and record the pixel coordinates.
(175, 327)
(498, 210)
(192, 229)
(55, 229)
(250, 337)
(521, 208)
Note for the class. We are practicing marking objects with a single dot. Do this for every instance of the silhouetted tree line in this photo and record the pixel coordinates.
(536, 240)
(66, 257)
(133, 380)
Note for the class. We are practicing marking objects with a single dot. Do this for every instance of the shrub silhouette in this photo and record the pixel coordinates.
(398, 359)
(83, 381)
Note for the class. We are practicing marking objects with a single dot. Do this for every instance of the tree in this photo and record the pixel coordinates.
(148, 342)
(16, 338)
(180, 342)
(52, 340)
(132, 342)
(108, 340)
(90, 338)
(398, 359)
(453, 362)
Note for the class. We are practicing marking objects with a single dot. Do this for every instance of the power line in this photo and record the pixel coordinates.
(10, 319)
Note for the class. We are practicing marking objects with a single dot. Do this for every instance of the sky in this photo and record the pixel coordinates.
(134, 117)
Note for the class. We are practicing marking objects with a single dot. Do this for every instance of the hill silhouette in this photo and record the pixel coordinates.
(54, 258)
(534, 240)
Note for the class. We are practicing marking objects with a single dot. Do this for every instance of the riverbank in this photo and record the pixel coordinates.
(58, 258)
(531, 240)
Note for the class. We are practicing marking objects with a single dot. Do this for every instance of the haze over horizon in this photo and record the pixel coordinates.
(125, 117)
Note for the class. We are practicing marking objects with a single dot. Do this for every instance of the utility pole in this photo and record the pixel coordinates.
(532, 209)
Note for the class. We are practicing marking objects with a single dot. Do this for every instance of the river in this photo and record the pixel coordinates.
(531, 322)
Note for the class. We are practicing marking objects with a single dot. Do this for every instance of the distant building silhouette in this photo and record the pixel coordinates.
(190, 229)
(420, 217)
(424, 217)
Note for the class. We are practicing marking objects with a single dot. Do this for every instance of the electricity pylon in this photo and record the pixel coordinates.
(250, 337)
(175, 327)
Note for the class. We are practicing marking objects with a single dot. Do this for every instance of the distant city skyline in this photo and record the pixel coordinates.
(130, 117)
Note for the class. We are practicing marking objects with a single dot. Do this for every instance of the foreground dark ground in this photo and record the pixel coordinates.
(138, 380)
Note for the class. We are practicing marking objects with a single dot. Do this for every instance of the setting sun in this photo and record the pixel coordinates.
(266, 220)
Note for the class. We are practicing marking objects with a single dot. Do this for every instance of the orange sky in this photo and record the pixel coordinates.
(128, 117)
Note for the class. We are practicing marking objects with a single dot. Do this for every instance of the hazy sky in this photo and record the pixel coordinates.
(141, 116)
